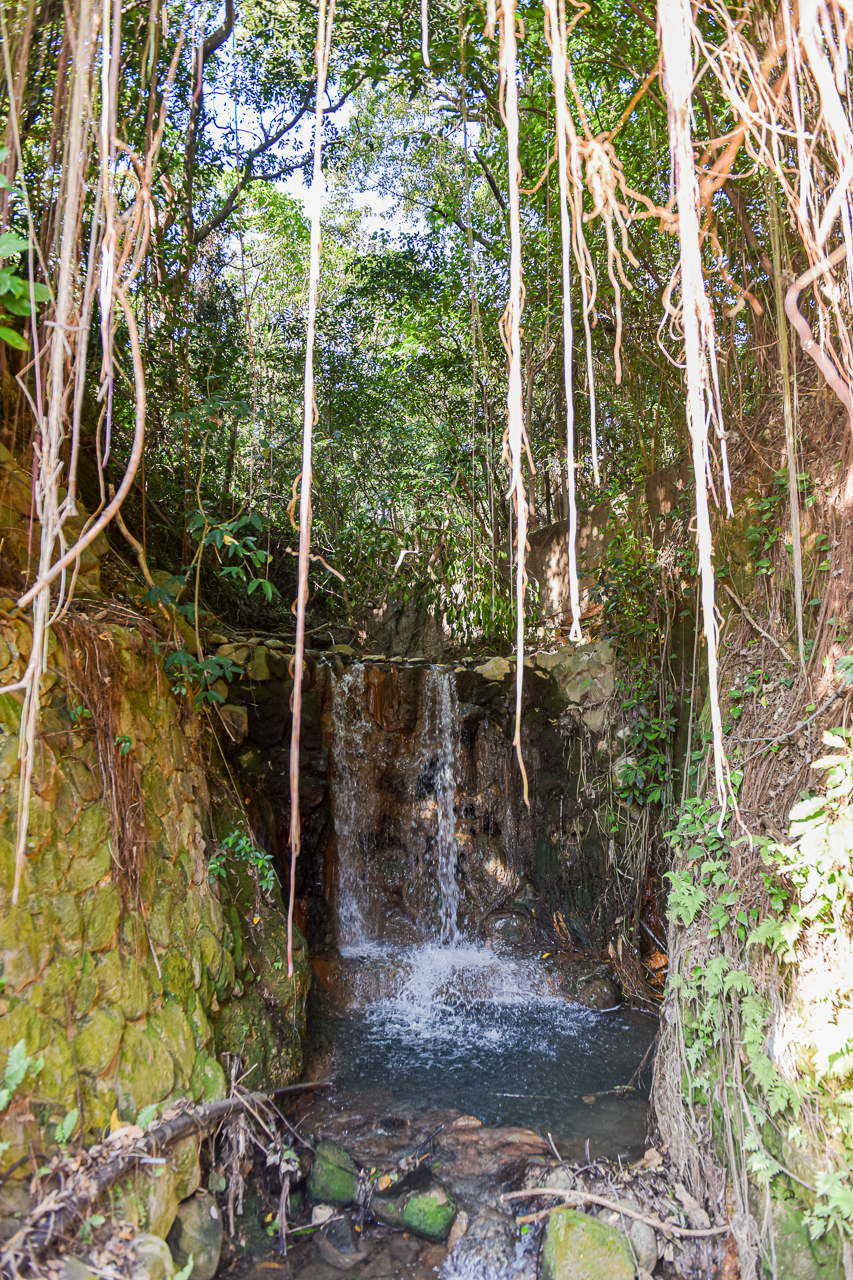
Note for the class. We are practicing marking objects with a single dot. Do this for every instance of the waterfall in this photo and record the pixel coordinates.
(439, 755)
(351, 731)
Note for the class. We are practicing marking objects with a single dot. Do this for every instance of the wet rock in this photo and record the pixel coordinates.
(339, 1247)
(153, 1259)
(599, 993)
(488, 1246)
(507, 926)
(578, 1247)
(334, 1176)
(641, 1237)
(197, 1230)
(419, 1203)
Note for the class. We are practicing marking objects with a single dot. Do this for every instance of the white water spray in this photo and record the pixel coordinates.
(439, 746)
(351, 731)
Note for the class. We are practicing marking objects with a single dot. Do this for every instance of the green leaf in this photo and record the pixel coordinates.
(17, 306)
(13, 339)
(11, 244)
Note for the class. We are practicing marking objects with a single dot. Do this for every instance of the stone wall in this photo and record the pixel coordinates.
(129, 997)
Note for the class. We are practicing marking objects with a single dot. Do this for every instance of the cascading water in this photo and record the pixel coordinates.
(350, 745)
(440, 714)
(445, 1021)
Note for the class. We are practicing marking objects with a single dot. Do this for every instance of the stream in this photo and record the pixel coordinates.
(437, 1041)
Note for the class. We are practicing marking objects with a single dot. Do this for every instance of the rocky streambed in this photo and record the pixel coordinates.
(420, 1194)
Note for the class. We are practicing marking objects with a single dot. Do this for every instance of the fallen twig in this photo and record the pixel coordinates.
(35, 1239)
(586, 1197)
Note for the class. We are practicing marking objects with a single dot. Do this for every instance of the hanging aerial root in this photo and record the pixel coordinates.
(515, 439)
(556, 36)
(676, 25)
(321, 54)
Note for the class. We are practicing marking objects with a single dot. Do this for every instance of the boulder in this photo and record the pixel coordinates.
(578, 1247)
(339, 1247)
(599, 993)
(641, 1237)
(197, 1231)
(334, 1177)
(153, 1259)
(419, 1203)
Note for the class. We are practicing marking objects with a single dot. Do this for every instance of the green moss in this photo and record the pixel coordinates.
(103, 918)
(97, 1040)
(173, 1027)
(177, 976)
(86, 870)
(207, 1083)
(90, 833)
(146, 1071)
(578, 1247)
(334, 1177)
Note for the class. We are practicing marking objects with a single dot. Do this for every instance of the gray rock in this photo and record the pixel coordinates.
(487, 1248)
(339, 1247)
(197, 1230)
(641, 1237)
(153, 1259)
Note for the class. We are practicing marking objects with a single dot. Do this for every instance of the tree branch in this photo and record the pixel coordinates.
(496, 191)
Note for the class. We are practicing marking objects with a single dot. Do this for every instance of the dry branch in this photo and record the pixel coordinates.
(158, 1138)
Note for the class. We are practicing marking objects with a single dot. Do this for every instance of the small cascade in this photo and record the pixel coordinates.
(351, 731)
(421, 1013)
(439, 750)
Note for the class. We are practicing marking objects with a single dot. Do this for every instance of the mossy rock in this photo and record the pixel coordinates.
(578, 1247)
(146, 1071)
(334, 1177)
(798, 1257)
(419, 1202)
(172, 1025)
(122, 981)
(207, 1082)
(103, 919)
(97, 1041)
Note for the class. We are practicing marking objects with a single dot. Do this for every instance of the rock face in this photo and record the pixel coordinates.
(334, 1177)
(152, 1001)
(578, 1247)
(419, 1202)
(197, 1231)
(507, 854)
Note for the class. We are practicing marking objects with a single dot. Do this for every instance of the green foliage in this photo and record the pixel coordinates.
(237, 845)
(645, 774)
(17, 293)
(18, 1064)
(65, 1129)
(809, 886)
(189, 674)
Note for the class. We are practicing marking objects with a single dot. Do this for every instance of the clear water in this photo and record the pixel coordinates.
(479, 1033)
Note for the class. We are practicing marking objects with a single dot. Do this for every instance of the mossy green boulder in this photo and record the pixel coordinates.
(419, 1202)
(334, 1177)
(578, 1247)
